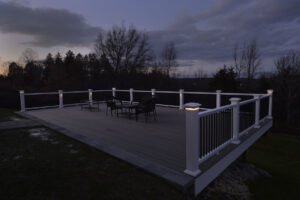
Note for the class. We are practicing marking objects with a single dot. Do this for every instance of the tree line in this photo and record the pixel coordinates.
(285, 81)
(119, 55)
(123, 58)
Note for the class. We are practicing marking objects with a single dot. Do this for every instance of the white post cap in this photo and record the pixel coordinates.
(235, 99)
(270, 91)
(192, 106)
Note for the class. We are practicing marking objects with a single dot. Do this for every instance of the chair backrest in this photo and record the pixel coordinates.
(149, 105)
(152, 104)
(111, 104)
(118, 101)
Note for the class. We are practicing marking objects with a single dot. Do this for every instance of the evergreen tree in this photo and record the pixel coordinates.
(33, 74)
(15, 74)
(225, 79)
(49, 65)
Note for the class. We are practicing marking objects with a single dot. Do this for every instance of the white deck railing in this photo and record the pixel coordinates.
(207, 132)
(131, 94)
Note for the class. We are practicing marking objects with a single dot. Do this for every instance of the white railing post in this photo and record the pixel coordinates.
(22, 101)
(131, 94)
(114, 92)
(218, 98)
(90, 96)
(61, 98)
(153, 92)
(257, 110)
(236, 120)
(270, 92)
(181, 99)
(192, 127)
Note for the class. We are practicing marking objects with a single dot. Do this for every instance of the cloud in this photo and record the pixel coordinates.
(48, 27)
(206, 37)
(212, 34)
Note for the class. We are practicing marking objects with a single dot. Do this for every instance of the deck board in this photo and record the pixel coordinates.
(161, 141)
(157, 146)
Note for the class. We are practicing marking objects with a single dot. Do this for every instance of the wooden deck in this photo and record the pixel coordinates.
(157, 145)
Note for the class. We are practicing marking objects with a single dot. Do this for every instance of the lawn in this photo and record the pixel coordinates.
(42, 164)
(279, 155)
(7, 115)
(39, 163)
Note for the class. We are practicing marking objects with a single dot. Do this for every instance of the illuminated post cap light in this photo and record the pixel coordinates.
(192, 106)
(60, 92)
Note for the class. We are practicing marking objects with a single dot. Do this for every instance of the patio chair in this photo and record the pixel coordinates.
(147, 107)
(113, 105)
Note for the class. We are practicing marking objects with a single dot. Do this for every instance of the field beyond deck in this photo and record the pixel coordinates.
(157, 146)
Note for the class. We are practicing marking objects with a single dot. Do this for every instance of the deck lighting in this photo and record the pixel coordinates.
(192, 106)
(192, 138)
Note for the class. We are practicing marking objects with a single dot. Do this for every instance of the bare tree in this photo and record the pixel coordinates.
(288, 86)
(200, 74)
(126, 49)
(238, 62)
(168, 57)
(249, 60)
(29, 55)
(252, 59)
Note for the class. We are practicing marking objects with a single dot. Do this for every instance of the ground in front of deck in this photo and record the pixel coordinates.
(158, 146)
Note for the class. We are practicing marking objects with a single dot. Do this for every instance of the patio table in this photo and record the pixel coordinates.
(95, 105)
(128, 107)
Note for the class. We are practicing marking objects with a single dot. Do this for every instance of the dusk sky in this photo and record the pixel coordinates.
(204, 31)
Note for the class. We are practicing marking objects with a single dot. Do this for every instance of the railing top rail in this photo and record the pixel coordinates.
(215, 110)
(240, 94)
(75, 92)
(167, 92)
(122, 90)
(265, 96)
(210, 93)
(156, 91)
(247, 101)
(142, 90)
(212, 111)
(39, 93)
(102, 90)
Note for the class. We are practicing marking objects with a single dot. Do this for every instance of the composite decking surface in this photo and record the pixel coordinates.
(161, 141)
(157, 146)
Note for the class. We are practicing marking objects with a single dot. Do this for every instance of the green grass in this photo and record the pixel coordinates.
(63, 168)
(35, 169)
(6, 114)
(280, 156)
